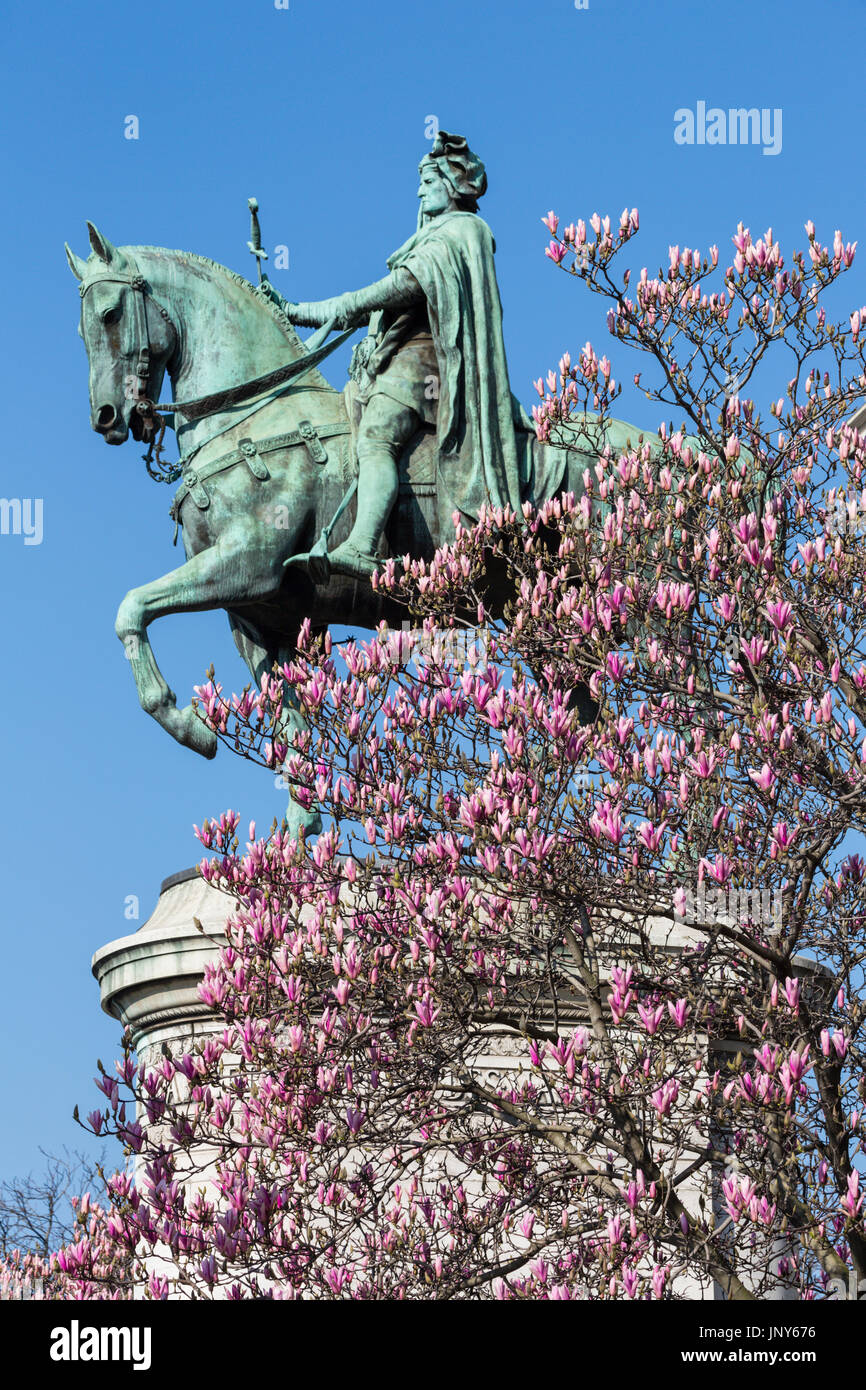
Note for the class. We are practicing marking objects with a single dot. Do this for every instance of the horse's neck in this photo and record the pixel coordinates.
(226, 335)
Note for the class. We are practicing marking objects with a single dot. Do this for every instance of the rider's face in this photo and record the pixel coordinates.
(434, 193)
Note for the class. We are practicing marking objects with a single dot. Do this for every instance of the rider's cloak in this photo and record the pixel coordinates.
(451, 257)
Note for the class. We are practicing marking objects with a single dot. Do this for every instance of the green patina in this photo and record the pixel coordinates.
(267, 480)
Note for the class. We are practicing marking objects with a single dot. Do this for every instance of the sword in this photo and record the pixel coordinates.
(255, 241)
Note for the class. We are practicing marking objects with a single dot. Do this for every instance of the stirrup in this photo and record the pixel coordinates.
(316, 561)
(346, 559)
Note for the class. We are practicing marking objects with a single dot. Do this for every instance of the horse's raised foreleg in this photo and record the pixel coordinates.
(215, 578)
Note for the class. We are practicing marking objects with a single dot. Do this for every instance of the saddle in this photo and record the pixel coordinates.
(414, 524)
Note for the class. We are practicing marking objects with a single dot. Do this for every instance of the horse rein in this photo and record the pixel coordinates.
(201, 406)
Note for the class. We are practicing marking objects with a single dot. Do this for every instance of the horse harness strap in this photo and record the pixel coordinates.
(218, 401)
(215, 403)
(203, 406)
(249, 452)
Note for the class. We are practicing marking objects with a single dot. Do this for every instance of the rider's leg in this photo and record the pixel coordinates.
(385, 429)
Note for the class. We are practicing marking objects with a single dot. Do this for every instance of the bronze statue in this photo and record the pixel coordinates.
(434, 355)
(268, 463)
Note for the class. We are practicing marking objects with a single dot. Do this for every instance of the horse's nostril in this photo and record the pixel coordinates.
(105, 417)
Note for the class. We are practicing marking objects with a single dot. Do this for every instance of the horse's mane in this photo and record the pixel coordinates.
(282, 320)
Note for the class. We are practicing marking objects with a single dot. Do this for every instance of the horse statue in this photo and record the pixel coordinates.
(266, 462)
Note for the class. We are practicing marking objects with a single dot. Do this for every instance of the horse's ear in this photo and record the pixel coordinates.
(101, 245)
(76, 264)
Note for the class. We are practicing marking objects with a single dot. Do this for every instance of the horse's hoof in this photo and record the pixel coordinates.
(197, 735)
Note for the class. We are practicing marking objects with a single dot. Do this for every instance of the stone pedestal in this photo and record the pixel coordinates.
(149, 980)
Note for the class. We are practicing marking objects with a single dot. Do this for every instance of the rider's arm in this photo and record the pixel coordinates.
(399, 290)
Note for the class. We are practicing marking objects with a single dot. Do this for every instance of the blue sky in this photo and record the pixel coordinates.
(320, 111)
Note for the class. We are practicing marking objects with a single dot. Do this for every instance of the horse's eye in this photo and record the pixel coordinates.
(111, 315)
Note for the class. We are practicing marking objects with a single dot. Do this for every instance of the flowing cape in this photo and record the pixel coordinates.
(451, 257)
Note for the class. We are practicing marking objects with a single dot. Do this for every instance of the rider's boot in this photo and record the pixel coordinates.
(385, 429)
(377, 493)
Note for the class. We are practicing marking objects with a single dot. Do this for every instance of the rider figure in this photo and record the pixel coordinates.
(434, 355)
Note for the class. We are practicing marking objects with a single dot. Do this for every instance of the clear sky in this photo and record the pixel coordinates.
(320, 110)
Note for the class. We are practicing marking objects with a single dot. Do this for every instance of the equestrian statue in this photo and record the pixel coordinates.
(276, 464)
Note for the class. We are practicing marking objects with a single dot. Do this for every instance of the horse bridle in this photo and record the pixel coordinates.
(202, 406)
(144, 406)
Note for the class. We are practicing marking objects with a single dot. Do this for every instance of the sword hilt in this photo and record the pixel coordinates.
(255, 241)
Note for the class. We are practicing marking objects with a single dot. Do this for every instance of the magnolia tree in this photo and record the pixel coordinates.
(36, 1210)
(556, 1008)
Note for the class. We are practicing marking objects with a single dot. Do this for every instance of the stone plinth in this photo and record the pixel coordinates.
(149, 981)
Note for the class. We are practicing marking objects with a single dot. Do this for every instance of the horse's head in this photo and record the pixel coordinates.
(129, 337)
